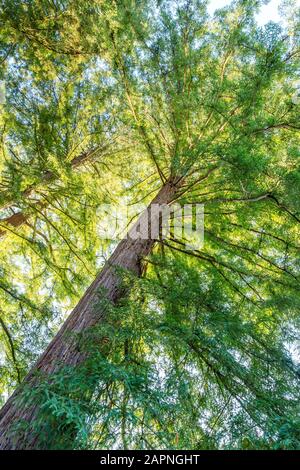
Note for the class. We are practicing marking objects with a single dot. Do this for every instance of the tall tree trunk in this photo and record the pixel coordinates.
(63, 350)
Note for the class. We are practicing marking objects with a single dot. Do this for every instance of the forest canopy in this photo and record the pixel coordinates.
(139, 344)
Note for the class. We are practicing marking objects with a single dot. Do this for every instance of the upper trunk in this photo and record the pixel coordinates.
(64, 350)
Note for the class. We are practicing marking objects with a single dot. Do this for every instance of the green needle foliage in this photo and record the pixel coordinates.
(105, 101)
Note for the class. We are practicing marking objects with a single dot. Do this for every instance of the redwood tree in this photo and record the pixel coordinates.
(169, 346)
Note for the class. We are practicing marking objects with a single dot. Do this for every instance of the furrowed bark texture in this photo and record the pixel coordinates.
(63, 350)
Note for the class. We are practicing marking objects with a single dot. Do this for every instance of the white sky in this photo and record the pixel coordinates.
(267, 13)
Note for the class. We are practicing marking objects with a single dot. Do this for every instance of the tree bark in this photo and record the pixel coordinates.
(64, 350)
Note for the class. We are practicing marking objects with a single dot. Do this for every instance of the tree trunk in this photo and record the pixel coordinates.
(63, 350)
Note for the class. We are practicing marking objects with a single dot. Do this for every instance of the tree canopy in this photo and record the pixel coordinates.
(106, 102)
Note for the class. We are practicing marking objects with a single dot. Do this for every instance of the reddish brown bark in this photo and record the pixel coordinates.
(63, 350)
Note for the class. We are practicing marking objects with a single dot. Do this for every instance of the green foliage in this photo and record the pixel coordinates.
(181, 367)
(201, 352)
